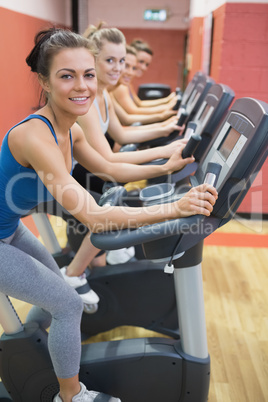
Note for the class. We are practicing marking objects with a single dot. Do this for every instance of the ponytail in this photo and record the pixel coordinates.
(98, 35)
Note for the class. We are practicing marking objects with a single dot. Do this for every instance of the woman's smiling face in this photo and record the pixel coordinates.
(144, 60)
(130, 69)
(110, 63)
(72, 82)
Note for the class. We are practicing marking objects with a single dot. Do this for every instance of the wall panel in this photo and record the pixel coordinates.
(194, 52)
(19, 87)
(239, 59)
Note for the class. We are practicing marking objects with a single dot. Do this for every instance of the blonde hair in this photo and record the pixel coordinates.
(131, 50)
(97, 35)
(142, 46)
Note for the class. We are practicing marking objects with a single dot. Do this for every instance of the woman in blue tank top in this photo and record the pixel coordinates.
(36, 165)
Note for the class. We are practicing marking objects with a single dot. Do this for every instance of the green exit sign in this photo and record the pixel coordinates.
(155, 15)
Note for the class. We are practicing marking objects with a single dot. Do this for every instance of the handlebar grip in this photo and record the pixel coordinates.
(191, 146)
(212, 173)
(113, 196)
(129, 148)
(182, 118)
(177, 104)
(190, 130)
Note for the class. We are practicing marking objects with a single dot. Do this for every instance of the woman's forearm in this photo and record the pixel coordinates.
(147, 134)
(198, 200)
(145, 110)
(126, 172)
(137, 157)
(118, 218)
(156, 102)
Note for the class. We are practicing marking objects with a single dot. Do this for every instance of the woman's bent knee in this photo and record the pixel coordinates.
(70, 306)
(76, 303)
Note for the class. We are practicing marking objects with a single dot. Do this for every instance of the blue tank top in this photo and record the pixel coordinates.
(20, 188)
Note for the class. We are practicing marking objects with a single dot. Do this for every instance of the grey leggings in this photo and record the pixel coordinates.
(29, 273)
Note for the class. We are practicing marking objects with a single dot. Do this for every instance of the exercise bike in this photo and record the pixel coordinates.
(120, 307)
(192, 100)
(123, 288)
(153, 369)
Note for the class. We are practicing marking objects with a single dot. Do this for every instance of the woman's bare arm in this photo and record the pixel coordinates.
(153, 102)
(126, 119)
(46, 158)
(122, 95)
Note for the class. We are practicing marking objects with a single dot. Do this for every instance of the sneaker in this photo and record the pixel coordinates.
(89, 396)
(81, 285)
(120, 256)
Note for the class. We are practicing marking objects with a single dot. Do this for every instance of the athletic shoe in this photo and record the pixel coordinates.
(120, 256)
(89, 396)
(81, 285)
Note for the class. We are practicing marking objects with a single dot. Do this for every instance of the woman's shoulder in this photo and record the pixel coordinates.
(32, 127)
(121, 89)
(30, 138)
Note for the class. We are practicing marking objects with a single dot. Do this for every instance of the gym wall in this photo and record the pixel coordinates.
(168, 60)
(21, 20)
(238, 59)
(167, 38)
(19, 88)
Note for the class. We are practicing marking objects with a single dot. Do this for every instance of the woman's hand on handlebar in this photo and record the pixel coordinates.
(198, 200)
(172, 126)
(166, 114)
(174, 147)
(172, 102)
(171, 96)
(171, 119)
(176, 161)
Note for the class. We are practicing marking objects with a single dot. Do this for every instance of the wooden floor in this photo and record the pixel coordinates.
(236, 301)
